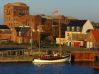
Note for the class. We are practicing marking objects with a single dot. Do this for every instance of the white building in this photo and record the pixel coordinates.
(76, 32)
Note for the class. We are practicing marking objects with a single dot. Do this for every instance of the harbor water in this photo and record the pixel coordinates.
(60, 68)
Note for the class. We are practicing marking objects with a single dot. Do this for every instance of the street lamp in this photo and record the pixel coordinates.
(32, 30)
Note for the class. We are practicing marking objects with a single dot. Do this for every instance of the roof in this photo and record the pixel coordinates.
(6, 32)
(4, 27)
(10, 48)
(17, 4)
(96, 25)
(96, 34)
(77, 22)
(70, 17)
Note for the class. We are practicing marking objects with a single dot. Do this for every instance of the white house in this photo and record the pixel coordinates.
(76, 32)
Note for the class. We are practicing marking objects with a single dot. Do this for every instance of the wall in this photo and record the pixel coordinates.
(84, 55)
(87, 26)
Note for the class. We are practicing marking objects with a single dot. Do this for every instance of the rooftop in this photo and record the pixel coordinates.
(12, 47)
(4, 27)
(77, 22)
(96, 34)
(8, 48)
(17, 4)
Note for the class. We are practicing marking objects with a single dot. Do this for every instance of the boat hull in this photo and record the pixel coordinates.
(42, 61)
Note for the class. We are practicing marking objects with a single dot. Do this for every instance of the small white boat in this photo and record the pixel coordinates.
(52, 60)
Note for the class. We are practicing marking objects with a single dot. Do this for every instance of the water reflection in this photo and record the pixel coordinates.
(53, 65)
(61, 68)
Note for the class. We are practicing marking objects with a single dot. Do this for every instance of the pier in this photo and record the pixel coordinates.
(16, 59)
(14, 54)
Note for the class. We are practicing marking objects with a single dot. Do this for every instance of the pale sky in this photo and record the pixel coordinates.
(81, 9)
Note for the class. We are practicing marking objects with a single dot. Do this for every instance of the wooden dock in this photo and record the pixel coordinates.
(16, 59)
(77, 54)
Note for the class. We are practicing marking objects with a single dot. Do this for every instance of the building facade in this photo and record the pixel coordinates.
(17, 14)
(76, 31)
(5, 33)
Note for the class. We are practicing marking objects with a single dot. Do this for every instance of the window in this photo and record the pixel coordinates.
(73, 28)
(78, 28)
(10, 24)
(9, 18)
(67, 34)
(27, 24)
(12, 11)
(68, 28)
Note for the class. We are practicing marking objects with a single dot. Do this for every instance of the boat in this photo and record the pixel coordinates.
(51, 58)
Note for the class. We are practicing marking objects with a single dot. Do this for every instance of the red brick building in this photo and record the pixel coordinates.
(22, 34)
(5, 33)
(17, 14)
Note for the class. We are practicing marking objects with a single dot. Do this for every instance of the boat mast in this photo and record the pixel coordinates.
(31, 39)
(60, 37)
(39, 42)
(38, 31)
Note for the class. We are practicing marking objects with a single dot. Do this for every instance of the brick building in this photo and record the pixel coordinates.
(51, 24)
(5, 33)
(17, 14)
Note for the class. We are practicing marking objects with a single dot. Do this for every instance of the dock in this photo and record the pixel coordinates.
(26, 55)
(16, 59)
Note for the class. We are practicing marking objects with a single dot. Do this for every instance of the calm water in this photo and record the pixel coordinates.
(64, 68)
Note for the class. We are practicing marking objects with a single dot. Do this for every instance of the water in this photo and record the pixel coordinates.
(63, 68)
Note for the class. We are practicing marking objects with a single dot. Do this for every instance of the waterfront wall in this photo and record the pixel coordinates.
(84, 56)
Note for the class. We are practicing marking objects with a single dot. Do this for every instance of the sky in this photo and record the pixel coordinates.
(80, 9)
